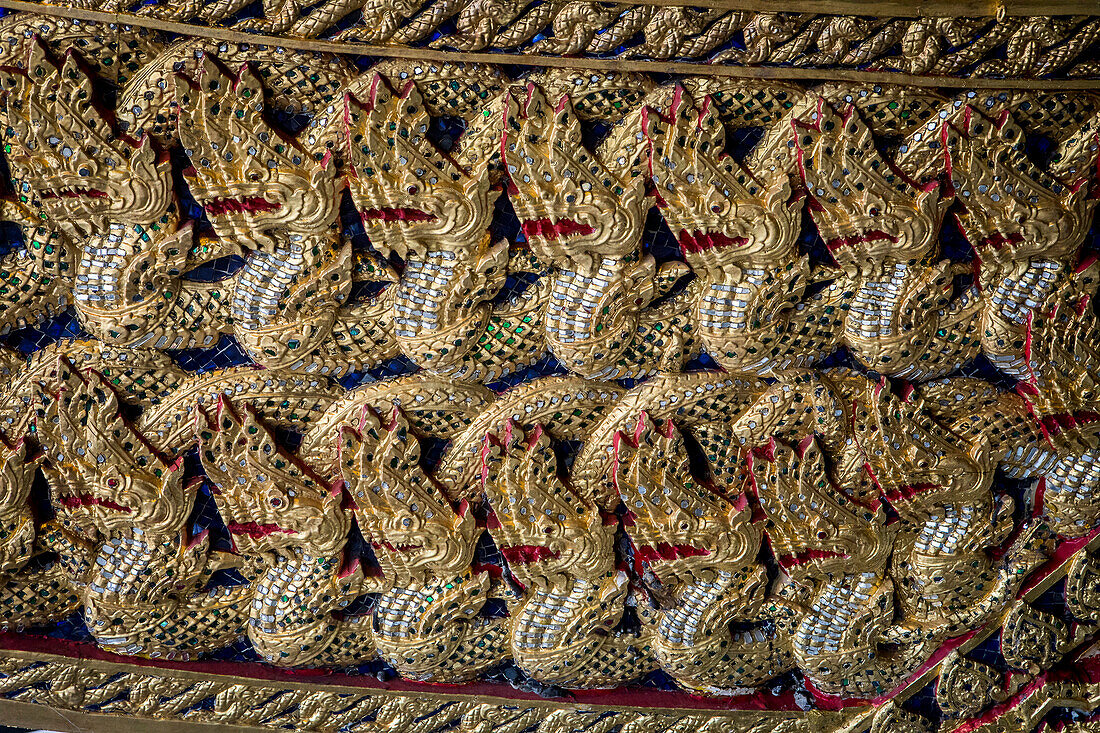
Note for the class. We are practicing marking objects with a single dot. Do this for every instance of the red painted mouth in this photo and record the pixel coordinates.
(549, 229)
(79, 500)
(702, 241)
(388, 215)
(527, 554)
(908, 491)
(74, 193)
(998, 240)
(801, 558)
(875, 235)
(256, 531)
(395, 548)
(250, 204)
(1055, 424)
(665, 551)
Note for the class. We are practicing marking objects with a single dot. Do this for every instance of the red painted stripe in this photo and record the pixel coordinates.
(549, 229)
(527, 554)
(94, 193)
(872, 236)
(702, 241)
(665, 551)
(388, 214)
(73, 502)
(251, 204)
(252, 529)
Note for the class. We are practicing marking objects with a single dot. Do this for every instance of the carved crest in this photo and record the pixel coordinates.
(249, 177)
(411, 195)
(574, 206)
(866, 205)
(546, 531)
(722, 211)
(104, 475)
(65, 149)
(270, 499)
(413, 528)
(681, 529)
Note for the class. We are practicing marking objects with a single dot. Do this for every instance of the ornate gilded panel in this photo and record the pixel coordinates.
(562, 366)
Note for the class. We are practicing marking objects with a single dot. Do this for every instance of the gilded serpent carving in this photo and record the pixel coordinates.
(582, 380)
(290, 305)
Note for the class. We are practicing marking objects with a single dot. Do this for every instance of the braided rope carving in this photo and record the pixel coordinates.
(1034, 46)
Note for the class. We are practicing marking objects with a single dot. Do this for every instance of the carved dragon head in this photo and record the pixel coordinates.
(18, 464)
(269, 498)
(682, 529)
(866, 205)
(103, 474)
(415, 531)
(575, 206)
(68, 157)
(543, 527)
(1011, 208)
(722, 211)
(411, 195)
(815, 527)
(912, 460)
(249, 177)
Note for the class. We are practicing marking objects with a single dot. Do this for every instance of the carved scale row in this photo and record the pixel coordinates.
(877, 169)
(754, 520)
(697, 501)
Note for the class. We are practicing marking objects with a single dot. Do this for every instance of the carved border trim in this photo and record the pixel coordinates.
(1039, 582)
(40, 717)
(897, 8)
(70, 693)
(85, 688)
(412, 53)
(77, 693)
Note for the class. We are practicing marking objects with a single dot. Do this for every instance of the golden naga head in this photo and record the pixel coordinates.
(722, 211)
(104, 475)
(1011, 208)
(18, 464)
(415, 531)
(411, 195)
(866, 205)
(66, 155)
(269, 498)
(681, 528)
(910, 459)
(814, 526)
(546, 530)
(575, 206)
(249, 177)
